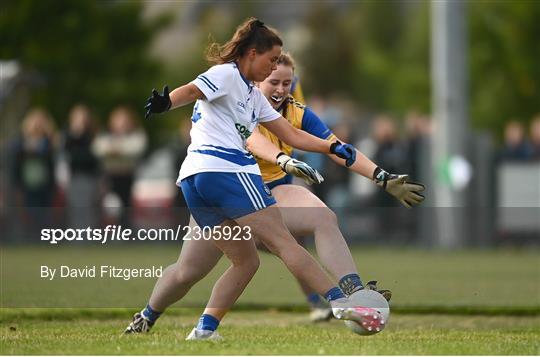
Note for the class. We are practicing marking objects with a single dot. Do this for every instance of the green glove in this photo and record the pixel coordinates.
(406, 192)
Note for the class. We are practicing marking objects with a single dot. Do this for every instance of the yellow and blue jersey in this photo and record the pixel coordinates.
(296, 90)
(301, 118)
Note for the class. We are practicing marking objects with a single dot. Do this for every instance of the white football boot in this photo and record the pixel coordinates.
(369, 318)
(203, 335)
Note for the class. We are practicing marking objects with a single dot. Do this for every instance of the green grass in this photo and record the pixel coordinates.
(422, 281)
(267, 332)
(459, 302)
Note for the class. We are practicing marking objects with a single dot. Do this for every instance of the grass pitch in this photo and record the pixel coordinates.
(457, 303)
(264, 333)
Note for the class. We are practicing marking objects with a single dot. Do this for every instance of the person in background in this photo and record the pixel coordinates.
(389, 153)
(83, 164)
(515, 147)
(535, 138)
(32, 173)
(120, 150)
(33, 164)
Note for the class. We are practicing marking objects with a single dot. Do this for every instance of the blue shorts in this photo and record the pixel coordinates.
(285, 180)
(213, 197)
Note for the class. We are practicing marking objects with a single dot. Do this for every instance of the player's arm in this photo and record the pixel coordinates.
(399, 186)
(184, 95)
(363, 165)
(307, 142)
(159, 103)
(408, 193)
(262, 147)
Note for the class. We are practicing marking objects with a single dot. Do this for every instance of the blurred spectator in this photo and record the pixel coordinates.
(515, 146)
(120, 150)
(418, 131)
(180, 149)
(389, 154)
(535, 137)
(83, 164)
(33, 160)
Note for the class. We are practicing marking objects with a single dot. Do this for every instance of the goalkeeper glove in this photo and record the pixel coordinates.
(344, 151)
(406, 192)
(298, 169)
(158, 103)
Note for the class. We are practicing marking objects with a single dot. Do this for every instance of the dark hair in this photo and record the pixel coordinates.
(250, 34)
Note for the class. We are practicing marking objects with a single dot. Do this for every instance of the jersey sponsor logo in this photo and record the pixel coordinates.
(244, 132)
(241, 107)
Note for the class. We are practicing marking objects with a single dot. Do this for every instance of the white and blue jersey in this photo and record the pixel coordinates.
(223, 121)
(220, 179)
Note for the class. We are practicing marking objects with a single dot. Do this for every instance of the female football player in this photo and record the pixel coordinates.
(221, 180)
(317, 219)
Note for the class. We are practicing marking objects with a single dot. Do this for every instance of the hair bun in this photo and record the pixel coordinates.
(258, 23)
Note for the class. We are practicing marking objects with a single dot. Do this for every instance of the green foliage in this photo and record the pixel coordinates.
(378, 54)
(504, 61)
(82, 51)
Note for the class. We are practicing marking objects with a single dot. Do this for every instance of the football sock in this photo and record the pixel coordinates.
(350, 283)
(315, 300)
(208, 322)
(150, 314)
(334, 294)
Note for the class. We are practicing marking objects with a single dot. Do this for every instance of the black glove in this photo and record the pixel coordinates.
(158, 103)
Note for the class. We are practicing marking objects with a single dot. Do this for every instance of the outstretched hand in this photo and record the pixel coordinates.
(158, 103)
(399, 186)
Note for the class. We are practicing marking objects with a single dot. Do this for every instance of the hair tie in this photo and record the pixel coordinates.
(258, 23)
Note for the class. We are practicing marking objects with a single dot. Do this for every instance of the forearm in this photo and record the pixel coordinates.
(304, 141)
(363, 165)
(184, 95)
(297, 138)
(262, 147)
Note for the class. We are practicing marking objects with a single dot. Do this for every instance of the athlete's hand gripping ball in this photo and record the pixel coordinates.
(344, 151)
(158, 103)
(298, 169)
(406, 192)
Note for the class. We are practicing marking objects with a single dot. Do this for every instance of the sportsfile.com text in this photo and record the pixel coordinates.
(118, 233)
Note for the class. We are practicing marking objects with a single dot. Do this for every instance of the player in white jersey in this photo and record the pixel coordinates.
(304, 212)
(221, 181)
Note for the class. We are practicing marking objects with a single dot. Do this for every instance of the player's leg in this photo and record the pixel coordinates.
(267, 224)
(196, 260)
(305, 214)
(232, 194)
(244, 264)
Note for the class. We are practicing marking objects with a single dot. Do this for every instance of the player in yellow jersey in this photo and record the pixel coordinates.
(302, 211)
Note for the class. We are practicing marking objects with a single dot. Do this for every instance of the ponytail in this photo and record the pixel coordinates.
(253, 33)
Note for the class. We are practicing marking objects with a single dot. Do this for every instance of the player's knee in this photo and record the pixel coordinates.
(326, 217)
(248, 264)
(185, 277)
